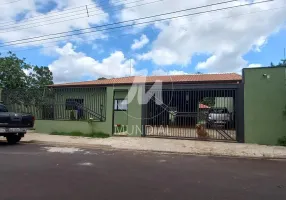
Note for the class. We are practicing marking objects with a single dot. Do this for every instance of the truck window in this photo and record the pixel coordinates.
(3, 108)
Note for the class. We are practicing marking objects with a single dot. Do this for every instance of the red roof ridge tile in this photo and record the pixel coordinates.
(212, 77)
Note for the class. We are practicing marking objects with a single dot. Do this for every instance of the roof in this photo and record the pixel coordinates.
(192, 78)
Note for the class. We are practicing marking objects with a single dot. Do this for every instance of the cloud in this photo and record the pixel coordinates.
(224, 35)
(161, 72)
(34, 23)
(71, 66)
(138, 44)
(254, 65)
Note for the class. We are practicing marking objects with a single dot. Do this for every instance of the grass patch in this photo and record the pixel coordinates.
(80, 134)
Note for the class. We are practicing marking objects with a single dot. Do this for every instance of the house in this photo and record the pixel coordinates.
(164, 106)
(136, 103)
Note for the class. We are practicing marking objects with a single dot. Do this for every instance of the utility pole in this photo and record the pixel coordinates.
(87, 11)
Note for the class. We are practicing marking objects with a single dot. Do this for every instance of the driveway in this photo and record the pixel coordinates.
(31, 171)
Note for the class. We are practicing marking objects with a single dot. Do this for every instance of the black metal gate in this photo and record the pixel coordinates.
(196, 113)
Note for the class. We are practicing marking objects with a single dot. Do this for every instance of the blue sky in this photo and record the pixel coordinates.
(217, 42)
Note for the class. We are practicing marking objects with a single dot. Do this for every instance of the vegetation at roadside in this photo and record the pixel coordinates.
(16, 73)
(80, 134)
(282, 141)
(24, 83)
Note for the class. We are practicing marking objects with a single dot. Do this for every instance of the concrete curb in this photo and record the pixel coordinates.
(110, 148)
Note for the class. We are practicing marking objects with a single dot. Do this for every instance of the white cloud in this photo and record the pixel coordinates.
(138, 44)
(160, 56)
(254, 65)
(224, 35)
(161, 72)
(36, 23)
(74, 66)
(177, 72)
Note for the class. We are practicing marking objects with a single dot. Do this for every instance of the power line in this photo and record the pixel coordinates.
(193, 8)
(137, 23)
(126, 34)
(58, 13)
(18, 42)
(62, 15)
(84, 13)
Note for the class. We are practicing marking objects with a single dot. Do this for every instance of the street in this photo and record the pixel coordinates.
(33, 172)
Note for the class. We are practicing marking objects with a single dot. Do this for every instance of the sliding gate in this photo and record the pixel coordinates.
(197, 113)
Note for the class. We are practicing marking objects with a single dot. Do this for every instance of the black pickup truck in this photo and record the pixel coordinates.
(14, 126)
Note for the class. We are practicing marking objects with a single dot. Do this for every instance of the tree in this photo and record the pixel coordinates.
(13, 76)
(208, 101)
(40, 77)
(282, 63)
(23, 83)
(12, 73)
(102, 78)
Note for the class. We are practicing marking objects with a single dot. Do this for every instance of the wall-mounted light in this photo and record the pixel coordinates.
(266, 76)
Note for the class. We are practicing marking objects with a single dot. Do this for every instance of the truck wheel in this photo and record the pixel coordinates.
(13, 139)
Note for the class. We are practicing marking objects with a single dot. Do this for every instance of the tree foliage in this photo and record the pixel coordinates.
(282, 63)
(23, 83)
(102, 78)
(15, 73)
(208, 101)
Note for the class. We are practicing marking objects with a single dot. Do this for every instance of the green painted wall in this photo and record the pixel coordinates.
(93, 98)
(134, 112)
(264, 103)
(132, 117)
(49, 126)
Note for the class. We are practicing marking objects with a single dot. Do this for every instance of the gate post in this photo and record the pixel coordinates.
(240, 113)
(144, 111)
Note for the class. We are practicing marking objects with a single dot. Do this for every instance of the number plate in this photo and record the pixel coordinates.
(17, 130)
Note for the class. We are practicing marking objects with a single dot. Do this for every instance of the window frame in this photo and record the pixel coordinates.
(116, 102)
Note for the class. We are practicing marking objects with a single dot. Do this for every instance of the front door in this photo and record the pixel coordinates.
(120, 112)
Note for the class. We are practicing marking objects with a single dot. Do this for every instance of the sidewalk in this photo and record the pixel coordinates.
(167, 145)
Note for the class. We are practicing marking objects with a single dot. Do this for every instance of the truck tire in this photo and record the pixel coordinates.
(13, 139)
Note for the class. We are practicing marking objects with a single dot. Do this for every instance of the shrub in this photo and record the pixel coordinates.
(282, 141)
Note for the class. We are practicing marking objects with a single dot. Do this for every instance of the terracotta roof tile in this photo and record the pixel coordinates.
(194, 78)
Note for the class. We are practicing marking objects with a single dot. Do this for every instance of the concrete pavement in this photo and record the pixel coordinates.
(168, 145)
(33, 172)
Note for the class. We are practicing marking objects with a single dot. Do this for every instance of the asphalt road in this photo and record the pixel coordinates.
(33, 172)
